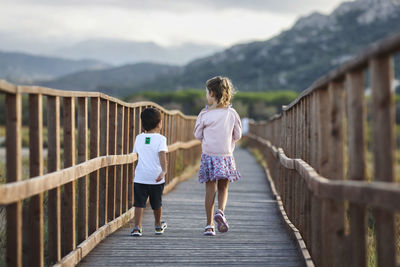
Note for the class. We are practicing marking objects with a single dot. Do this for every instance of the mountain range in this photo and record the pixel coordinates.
(118, 52)
(292, 60)
(23, 68)
(296, 57)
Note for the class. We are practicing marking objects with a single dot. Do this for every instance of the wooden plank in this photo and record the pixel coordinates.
(356, 118)
(68, 222)
(94, 153)
(125, 186)
(34, 210)
(384, 151)
(53, 164)
(132, 119)
(333, 212)
(82, 157)
(112, 144)
(118, 168)
(13, 174)
(267, 243)
(103, 176)
(323, 169)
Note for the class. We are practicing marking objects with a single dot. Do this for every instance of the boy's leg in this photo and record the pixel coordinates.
(222, 193)
(155, 194)
(157, 216)
(140, 198)
(138, 217)
(211, 189)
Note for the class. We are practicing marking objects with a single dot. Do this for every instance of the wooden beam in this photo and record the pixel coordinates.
(356, 118)
(112, 144)
(34, 210)
(384, 152)
(82, 157)
(68, 236)
(94, 153)
(103, 178)
(13, 174)
(118, 169)
(54, 195)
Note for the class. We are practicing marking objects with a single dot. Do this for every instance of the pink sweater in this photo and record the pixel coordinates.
(218, 130)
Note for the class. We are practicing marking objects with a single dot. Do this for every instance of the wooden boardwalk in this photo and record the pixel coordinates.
(257, 234)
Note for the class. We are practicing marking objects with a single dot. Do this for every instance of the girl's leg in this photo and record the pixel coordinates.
(222, 193)
(138, 217)
(211, 189)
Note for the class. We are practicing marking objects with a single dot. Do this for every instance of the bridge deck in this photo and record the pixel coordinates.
(257, 235)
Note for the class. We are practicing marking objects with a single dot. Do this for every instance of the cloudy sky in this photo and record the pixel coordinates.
(44, 25)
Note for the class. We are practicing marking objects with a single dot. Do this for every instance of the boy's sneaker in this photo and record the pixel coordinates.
(136, 231)
(160, 228)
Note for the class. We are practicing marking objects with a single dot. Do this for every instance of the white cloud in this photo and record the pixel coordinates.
(220, 22)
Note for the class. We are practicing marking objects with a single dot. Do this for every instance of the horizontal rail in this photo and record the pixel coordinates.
(376, 194)
(16, 191)
(7, 87)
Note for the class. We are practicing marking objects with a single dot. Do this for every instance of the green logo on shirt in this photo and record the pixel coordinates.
(147, 140)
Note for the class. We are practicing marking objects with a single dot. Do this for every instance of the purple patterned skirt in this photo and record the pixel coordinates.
(217, 167)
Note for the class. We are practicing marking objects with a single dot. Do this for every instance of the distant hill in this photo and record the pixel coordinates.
(112, 81)
(295, 58)
(121, 52)
(23, 68)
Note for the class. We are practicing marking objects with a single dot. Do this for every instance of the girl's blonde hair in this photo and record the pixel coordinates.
(222, 88)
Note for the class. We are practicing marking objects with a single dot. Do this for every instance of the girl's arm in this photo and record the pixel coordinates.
(162, 156)
(199, 127)
(237, 129)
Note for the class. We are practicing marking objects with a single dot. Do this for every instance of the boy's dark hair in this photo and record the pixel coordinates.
(150, 118)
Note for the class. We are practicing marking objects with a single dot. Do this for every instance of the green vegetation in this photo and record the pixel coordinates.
(256, 105)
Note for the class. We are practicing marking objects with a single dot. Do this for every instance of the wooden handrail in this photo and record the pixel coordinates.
(387, 46)
(7, 87)
(16, 191)
(375, 194)
(88, 198)
(324, 191)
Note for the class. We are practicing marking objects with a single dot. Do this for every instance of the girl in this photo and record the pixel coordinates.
(218, 127)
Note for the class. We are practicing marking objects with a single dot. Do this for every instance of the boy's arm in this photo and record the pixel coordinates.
(162, 155)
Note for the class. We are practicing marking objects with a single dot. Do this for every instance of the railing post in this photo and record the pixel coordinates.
(119, 181)
(54, 195)
(94, 153)
(384, 151)
(112, 145)
(68, 237)
(356, 154)
(34, 210)
(125, 177)
(132, 118)
(82, 157)
(103, 178)
(14, 173)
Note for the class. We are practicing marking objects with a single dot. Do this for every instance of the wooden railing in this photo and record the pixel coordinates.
(87, 199)
(321, 178)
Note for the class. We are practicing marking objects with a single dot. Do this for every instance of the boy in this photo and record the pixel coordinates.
(150, 171)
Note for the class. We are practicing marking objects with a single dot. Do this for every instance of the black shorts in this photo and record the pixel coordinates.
(143, 191)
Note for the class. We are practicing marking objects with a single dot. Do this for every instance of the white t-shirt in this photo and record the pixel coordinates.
(147, 146)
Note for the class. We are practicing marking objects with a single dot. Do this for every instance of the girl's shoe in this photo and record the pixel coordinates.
(222, 223)
(160, 228)
(136, 231)
(212, 232)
